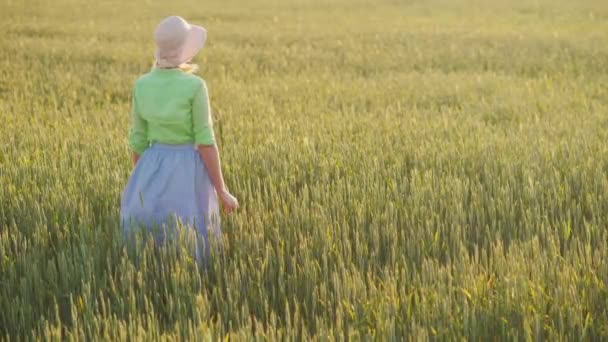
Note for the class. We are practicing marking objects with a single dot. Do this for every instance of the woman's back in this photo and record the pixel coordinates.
(172, 107)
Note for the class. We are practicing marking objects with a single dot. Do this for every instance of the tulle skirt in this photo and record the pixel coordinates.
(169, 192)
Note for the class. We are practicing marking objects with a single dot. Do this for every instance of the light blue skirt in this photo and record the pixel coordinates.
(169, 191)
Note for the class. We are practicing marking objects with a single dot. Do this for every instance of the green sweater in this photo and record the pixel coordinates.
(170, 106)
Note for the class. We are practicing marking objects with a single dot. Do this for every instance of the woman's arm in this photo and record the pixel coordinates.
(138, 133)
(211, 157)
(205, 141)
(135, 158)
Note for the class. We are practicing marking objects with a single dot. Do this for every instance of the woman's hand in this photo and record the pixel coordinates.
(211, 157)
(229, 202)
(135, 158)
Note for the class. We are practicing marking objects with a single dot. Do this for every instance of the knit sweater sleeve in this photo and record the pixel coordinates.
(201, 117)
(138, 133)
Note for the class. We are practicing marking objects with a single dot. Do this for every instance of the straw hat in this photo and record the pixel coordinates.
(177, 42)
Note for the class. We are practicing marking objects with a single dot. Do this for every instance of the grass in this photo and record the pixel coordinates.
(406, 169)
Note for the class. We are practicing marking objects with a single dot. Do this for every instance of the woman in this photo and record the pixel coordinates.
(177, 175)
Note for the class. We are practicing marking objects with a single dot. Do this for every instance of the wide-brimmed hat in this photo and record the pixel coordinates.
(177, 42)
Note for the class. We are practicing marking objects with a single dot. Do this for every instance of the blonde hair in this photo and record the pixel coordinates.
(188, 68)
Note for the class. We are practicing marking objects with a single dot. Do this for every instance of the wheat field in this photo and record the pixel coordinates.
(407, 170)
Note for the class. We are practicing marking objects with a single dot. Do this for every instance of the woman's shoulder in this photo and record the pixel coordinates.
(197, 83)
(196, 80)
(143, 78)
(153, 77)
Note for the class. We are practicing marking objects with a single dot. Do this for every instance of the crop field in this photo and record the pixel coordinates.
(407, 170)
